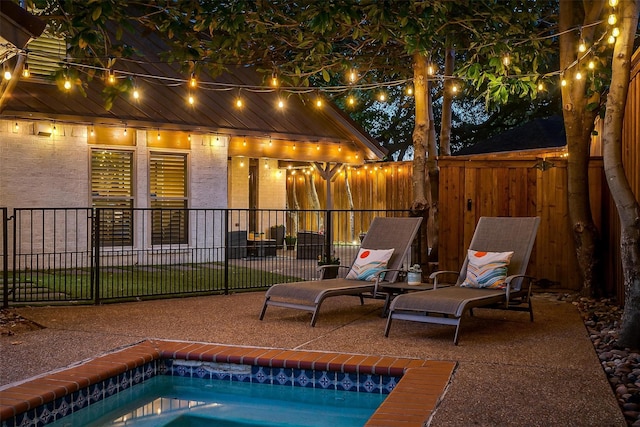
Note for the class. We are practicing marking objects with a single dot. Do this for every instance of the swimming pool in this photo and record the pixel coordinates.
(168, 401)
(414, 386)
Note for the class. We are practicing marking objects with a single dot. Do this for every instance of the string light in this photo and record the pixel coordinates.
(239, 102)
(111, 77)
(274, 79)
(613, 3)
(382, 97)
(244, 141)
(136, 94)
(17, 126)
(592, 64)
(506, 60)
(193, 82)
(578, 75)
(6, 72)
(92, 131)
(125, 130)
(353, 75)
(540, 87)
(191, 99)
(351, 100)
(409, 90)
(582, 47)
(26, 73)
(615, 32)
(280, 103)
(158, 137)
(611, 39)
(67, 82)
(612, 19)
(189, 137)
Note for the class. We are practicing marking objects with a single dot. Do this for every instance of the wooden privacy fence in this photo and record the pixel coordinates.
(533, 185)
(518, 184)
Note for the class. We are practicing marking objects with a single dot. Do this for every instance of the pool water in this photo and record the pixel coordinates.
(193, 402)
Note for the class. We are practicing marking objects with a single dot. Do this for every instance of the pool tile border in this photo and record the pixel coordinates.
(411, 400)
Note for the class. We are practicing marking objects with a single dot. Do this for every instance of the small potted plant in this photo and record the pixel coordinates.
(414, 275)
(330, 267)
(290, 242)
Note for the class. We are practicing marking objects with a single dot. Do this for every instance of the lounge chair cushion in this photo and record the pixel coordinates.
(368, 263)
(487, 269)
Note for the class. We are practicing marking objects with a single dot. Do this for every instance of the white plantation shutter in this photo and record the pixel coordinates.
(168, 192)
(112, 190)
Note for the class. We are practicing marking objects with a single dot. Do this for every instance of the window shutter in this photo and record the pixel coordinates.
(112, 192)
(168, 192)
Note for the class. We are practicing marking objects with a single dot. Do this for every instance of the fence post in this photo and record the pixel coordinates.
(328, 232)
(95, 254)
(225, 229)
(5, 260)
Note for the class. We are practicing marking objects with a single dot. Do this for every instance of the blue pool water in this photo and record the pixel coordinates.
(194, 402)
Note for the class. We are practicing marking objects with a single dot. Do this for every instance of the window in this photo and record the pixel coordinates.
(112, 192)
(168, 192)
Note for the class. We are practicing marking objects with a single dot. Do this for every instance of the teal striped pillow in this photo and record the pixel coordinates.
(487, 269)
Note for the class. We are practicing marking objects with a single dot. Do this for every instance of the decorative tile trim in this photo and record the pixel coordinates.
(46, 399)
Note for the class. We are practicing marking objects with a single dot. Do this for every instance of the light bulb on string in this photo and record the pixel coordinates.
(409, 90)
(136, 93)
(26, 73)
(67, 82)
(582, 47)
(353, 75)
(351, 100)
(540, 87)
(125, 130)
(506, 60)
(431, 69)
(612, 19)
(111, 77)
(280, 103)
(611, 40)
(382, 97)
(318, 100)
(158, 137)
(239, 101)
(244, 141)
(274, 79)
(193, 82)
(6, 72)
(563, 82)
(578, 75)
(615, 32)
(92, 131)
(592, 64)
(191, 99)
(17, 126)
(613, 3)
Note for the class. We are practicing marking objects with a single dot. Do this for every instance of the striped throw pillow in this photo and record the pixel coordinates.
(368, 263)
(487, 269)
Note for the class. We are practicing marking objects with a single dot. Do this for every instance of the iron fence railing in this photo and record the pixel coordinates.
(103, 254)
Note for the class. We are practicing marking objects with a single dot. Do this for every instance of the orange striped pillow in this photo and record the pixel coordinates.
(487, 269)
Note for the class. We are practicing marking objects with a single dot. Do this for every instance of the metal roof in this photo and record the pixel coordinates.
(163, 104)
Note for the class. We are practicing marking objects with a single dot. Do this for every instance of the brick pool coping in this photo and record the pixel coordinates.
(411, 403)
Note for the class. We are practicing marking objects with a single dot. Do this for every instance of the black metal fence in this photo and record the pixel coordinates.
(105, 254)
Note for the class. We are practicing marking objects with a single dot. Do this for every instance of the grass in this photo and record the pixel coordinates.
(141, 281)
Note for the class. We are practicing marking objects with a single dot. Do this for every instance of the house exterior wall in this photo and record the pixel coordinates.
(47, 175)
(40, 171)
(50, 172)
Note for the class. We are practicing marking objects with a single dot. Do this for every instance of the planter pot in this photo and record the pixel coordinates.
(330, 272)
(414, 278)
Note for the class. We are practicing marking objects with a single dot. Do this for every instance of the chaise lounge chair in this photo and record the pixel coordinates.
(446, 305)
(383, 233)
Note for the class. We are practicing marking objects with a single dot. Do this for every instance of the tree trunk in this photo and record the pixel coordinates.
(420, 84)
(447, 100)
(579, 123)
(434, 186)
(421, 135)
(621, 192)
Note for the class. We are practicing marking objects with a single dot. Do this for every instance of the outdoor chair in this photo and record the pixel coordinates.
(490, 285)
(383, 235)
